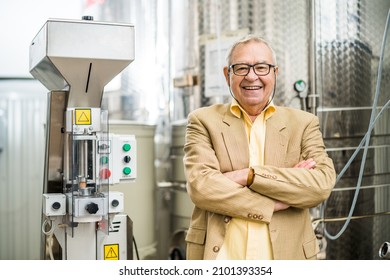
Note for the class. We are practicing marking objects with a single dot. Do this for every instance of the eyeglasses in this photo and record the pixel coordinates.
(242, 69)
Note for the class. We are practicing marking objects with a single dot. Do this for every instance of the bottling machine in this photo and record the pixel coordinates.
(82, 218)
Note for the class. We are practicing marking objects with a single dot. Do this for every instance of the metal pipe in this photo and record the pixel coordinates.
(384, 252)
(311, 98)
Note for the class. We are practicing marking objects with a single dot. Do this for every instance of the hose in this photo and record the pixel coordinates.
(365, 140)
(49, 234)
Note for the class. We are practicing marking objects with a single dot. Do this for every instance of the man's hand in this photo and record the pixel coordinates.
(238, 176)
(280, 206)
(308, 164)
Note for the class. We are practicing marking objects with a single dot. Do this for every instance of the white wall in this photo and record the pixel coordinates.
(20, 21)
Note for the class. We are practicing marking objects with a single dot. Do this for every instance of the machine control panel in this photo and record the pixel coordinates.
(118, 162)
(54, 204)
(87, 206)
(116, 202)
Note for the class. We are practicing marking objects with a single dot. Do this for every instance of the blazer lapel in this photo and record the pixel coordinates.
(276, 140)
(235, 140)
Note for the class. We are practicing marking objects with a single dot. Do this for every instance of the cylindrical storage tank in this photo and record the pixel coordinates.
(23, 117)
(182, 206)
(177, 152)
(163, 219)
(345, 118)
(140, 194)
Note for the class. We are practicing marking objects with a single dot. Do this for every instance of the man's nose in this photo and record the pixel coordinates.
(251, 74)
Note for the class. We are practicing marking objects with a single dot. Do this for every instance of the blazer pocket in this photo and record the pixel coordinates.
(311, 248)
(196, 235)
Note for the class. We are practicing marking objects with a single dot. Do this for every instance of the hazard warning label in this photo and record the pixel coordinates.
(111, 252)
(83, 116)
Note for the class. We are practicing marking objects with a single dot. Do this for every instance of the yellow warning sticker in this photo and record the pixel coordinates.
(83, 116)
(111, 252)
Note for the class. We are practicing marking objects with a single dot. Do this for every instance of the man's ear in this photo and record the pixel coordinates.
(227, 75)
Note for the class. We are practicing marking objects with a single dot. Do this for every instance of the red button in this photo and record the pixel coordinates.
(105, 173)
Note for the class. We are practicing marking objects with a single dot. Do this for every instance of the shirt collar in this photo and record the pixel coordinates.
(237, 110)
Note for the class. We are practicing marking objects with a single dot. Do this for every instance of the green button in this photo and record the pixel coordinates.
(126, 147)
(126, 170)
(104, 160)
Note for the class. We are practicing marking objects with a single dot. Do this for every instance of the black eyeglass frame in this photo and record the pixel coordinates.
(231, 67)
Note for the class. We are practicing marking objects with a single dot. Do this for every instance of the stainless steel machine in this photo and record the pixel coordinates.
(82, 218)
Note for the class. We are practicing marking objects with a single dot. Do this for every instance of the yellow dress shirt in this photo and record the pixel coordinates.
(248, 240)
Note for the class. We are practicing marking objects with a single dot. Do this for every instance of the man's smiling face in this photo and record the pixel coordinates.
(252, 91)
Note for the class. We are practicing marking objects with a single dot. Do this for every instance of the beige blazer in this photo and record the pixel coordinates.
(216, 142)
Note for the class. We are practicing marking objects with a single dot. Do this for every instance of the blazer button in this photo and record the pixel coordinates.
(260, 217)
(216, 249)
(226, 219)
(254, 216)
(250, 216)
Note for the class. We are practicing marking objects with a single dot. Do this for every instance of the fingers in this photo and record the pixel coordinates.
(308, 164)
(239, 176)
(280, 206)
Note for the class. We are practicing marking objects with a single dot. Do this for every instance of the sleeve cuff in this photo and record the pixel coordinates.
(251, 177)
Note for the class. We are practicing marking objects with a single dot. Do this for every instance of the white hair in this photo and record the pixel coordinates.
(247, 39)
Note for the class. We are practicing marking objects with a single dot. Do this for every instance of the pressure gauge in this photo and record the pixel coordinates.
(299, 85)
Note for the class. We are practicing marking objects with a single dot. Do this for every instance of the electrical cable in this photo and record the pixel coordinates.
(46, 222)
(49, 234)
(365, 140)
(50, 240)
(136, 248)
